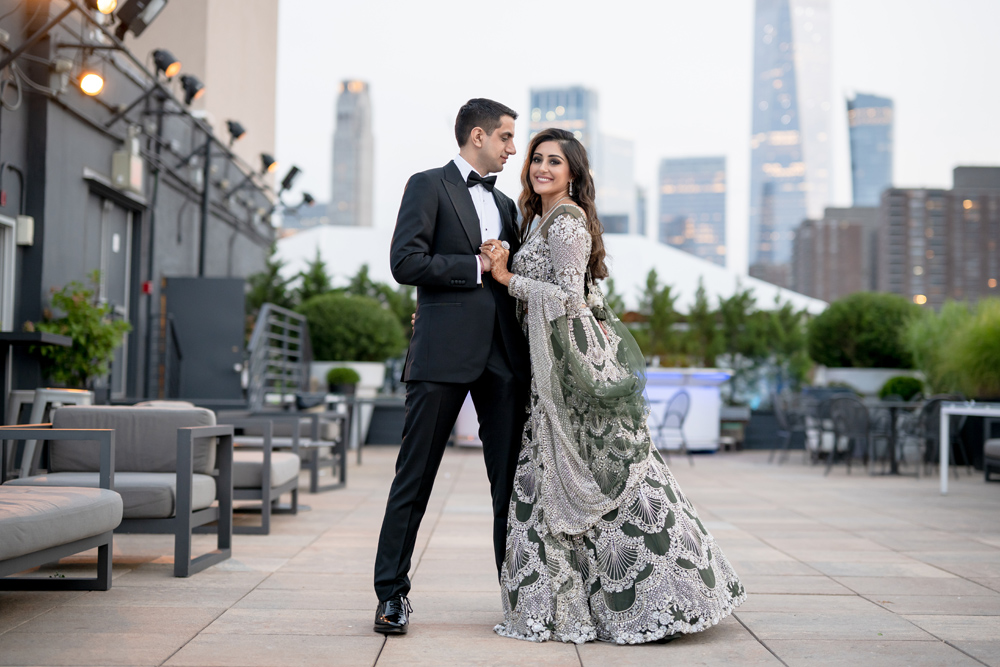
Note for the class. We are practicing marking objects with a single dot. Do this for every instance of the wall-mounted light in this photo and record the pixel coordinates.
(236, 130)
(91, 83)
(136, 15)
(103, 6)
(166, 63)
(268, 163)
(286, 182)
(193, 88)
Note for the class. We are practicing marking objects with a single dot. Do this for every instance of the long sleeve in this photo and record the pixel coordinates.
(569, 246)
(411, 258)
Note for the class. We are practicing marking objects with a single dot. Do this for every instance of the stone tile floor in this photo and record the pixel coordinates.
(841, 570)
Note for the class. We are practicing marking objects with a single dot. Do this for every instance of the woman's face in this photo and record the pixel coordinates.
(549, 171)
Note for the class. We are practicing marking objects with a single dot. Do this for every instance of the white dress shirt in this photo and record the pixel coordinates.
(486, 209)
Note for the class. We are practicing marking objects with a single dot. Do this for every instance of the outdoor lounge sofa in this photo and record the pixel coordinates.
(258, 473)
(41, 525)
(173, 470)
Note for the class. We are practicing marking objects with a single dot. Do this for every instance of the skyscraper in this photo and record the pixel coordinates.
(353, 157)
(575, 109)
(790, 151)
(693, 206)
(835, 256)
(870, 121)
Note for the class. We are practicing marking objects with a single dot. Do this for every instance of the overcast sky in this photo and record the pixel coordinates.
(673, 75)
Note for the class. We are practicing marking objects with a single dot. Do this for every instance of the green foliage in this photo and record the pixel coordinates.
(929, 340)
(342, 375)
(863, 330)
(974, 353)
(657, 337)
(95, 334)
(344, 327)
(400, 301)
(314, 281)
(614, 300)
(268, 286)
(704, 338)
(904, 386)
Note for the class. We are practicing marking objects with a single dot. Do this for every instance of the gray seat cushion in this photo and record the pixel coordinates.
(991, 448)
(249, 466)
(145, 495)
(33, 518)
(328, 430)
(145, 438)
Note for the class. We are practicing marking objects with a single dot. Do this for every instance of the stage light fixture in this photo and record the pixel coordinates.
(269, 164)
(103, 6)
(193, 88)
(166, 62)
(236, 130)
(286, 182)
(308, 199)
(91, 83)
(136, 15)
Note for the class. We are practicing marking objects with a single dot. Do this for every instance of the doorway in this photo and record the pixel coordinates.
(115, 288)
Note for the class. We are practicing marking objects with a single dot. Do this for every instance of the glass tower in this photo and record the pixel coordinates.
(870, 121)
(693, 206)
(353, 157)
(790, 151)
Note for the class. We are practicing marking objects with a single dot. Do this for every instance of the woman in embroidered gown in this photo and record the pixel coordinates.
(601, 542)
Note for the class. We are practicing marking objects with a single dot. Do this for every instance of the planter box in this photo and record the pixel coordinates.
(372, 378)
(866, 381)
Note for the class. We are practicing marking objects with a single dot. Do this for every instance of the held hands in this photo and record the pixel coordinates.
(497, 255)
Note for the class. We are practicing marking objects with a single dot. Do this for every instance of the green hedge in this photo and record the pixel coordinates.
(352, 328)
(863, 330)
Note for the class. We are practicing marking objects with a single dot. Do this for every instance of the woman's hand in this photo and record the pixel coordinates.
(498, 260)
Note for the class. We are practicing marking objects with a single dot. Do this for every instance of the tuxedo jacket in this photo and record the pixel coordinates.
(434, 247)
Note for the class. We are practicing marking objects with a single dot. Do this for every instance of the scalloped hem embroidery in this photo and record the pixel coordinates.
(674, 628)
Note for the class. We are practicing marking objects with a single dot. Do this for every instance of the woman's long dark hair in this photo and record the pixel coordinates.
(583, 193)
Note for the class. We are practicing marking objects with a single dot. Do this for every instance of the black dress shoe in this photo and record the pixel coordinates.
(393, 615)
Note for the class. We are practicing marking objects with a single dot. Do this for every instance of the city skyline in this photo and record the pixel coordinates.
(880, 47)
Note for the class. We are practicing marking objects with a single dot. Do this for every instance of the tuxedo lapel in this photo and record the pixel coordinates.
(506, 224)
(458, 192)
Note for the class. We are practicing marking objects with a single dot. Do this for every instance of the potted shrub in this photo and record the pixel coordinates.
(88, 322)
(904, 386)
(342, 380)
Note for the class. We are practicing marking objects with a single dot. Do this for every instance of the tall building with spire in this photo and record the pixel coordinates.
(869, 119)
(790, 141)
(353, 157)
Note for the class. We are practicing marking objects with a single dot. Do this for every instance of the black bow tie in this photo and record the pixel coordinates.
(486, 181)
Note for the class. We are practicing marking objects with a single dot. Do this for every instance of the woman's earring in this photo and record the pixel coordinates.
(571, 188)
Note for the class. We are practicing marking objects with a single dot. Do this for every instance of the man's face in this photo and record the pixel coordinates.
(497, 147)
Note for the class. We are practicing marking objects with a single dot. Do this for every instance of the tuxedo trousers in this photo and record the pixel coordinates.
(431, 411)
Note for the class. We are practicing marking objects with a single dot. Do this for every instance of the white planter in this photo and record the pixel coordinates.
(866, 381)
(372, 378)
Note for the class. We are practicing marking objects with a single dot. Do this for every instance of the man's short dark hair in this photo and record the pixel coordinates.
(480, 112)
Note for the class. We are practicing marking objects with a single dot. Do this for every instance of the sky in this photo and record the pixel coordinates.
(674, 76)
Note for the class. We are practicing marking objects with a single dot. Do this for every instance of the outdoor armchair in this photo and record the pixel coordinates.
(173, 470)
(41, 525)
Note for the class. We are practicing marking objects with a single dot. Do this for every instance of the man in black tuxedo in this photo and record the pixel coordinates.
(465, 339)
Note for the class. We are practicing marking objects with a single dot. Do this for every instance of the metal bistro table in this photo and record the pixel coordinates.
(352, 402)
(893, 407)
(969, 409)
